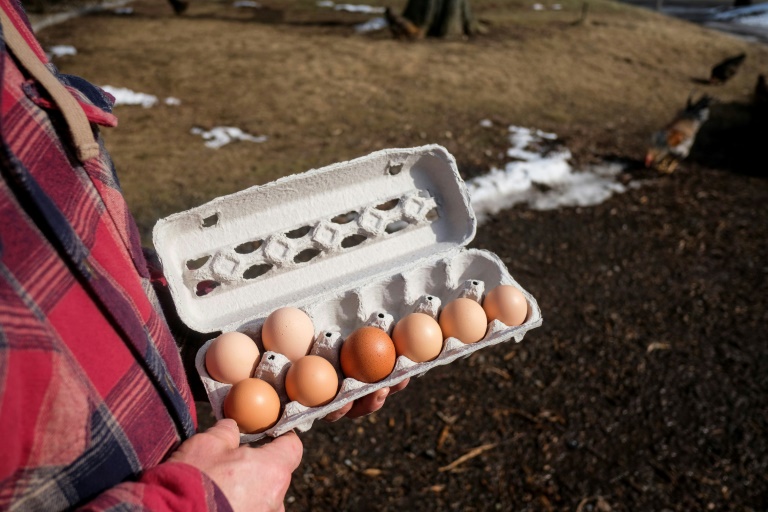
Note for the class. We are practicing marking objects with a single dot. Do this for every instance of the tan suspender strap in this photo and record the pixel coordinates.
(79, 126)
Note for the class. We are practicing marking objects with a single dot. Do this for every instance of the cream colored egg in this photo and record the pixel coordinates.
(231, 357)
(312, 381)
(463, 319)
(506, 304)
(418, 337)
(288, 331)
(253, 404)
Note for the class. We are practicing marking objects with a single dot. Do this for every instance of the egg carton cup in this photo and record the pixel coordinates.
(363, 242)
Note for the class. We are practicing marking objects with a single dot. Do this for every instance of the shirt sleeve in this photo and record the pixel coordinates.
(170, 486)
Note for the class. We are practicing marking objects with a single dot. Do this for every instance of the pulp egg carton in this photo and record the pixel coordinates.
(363, 242)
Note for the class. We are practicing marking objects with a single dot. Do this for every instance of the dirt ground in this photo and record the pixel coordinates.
(646, 388)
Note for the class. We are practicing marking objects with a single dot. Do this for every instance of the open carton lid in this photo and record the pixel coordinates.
(305, 237)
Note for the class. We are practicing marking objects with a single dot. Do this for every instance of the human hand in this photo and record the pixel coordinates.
(252, 479)
(367, 404)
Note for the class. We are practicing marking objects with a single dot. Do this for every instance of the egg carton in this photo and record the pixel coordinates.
(363, 242)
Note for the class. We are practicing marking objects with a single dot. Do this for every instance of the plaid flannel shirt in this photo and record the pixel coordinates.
(93, 396)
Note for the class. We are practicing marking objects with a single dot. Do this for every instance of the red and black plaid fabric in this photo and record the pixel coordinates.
(93, 396)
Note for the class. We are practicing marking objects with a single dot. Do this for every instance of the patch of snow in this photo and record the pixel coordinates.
(125, 96)
(757, 20)
(223, 135)
(61, 50)
(247, 4)
(351, 8)
(739, 12)
(172, 102)
(540, 176)
(371, 25)
(486, 123)
(538, 7)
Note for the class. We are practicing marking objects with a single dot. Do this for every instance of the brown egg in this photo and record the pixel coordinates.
(506, 304)
(368, 355)
(418, 337)
(463, 319)
(253, 404)
(231, 357)
(312, 381)
(288, 331)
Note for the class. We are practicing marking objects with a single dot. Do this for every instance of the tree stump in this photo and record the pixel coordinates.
(442, 18)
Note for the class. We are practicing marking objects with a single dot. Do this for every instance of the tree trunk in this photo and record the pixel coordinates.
(442, 18)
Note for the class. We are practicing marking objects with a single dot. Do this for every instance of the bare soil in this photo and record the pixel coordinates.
(646, 388)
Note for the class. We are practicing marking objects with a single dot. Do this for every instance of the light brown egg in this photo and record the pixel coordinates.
(288, 331)
(418, 337)
(312, 381)
(368, 355)
(253, 404)
(463, 319)
(506, 304)
(231, 357)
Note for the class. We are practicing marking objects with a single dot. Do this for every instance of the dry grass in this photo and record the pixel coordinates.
(322, 93)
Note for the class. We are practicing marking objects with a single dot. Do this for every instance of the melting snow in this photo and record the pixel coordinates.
(223, 135)
(351, 8)
(125, 96)
(371, 25)
(61, 50)
(247, 4)
(540, 176)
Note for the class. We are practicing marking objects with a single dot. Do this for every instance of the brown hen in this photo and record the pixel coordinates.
(673, 143)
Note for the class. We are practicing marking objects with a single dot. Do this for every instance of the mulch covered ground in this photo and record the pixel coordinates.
(646, 388)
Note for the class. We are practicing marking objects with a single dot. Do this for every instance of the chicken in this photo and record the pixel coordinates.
(673, 143)
(760, 104)
(761, 93)
(725, 70)
(401, 27)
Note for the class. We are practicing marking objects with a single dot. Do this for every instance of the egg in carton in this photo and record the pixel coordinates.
(363, 242)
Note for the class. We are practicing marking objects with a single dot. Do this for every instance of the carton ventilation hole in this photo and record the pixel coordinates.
(197, 263)
(396, 226)
(271, 358)
(298, 232)
(432, 215)
(306, 255)
(255, 271)
(475, 283)
(345, 218)
(211, 221)
(248, 247)
(205, 287)
(353, 240)
(429, 297)
(394, 170)
(328, 335)
(381, 315)
(388, 205)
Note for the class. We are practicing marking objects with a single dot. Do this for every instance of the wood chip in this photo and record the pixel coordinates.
(657, 345)
(443, 436)
(372, 472)
(498, 371)
(471, 454)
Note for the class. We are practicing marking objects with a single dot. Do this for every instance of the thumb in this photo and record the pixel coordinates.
(286, 449)
(226, 430)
